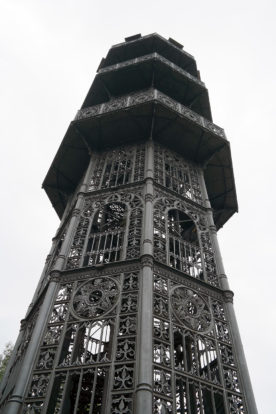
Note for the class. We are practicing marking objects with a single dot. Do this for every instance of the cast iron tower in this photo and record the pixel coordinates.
(133, 312)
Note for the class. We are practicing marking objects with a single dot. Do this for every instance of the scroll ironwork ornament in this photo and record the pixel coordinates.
(122, 404)
(95, 298)
(191, 309)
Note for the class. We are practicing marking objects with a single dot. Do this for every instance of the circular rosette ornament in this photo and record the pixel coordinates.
(191, 309)
(95, 298)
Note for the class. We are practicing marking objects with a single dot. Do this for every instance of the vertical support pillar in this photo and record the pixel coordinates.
(16, 400)
(243, 369)
(148, 216)
(60, 262)
(144, 402)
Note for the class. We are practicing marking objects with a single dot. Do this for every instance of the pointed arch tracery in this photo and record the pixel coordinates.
(105, 240)
(182, 240)
(183, 250)
(109, 230)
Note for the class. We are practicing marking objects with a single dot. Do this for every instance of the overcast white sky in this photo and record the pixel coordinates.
(49, 53)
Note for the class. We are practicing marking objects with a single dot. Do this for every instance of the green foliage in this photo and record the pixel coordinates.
(4, 358)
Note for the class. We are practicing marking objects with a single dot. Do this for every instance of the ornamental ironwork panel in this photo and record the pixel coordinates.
(86, 362)
(195, 370)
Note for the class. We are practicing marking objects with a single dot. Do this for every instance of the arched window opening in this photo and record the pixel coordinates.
(106, 237)
(183, 248)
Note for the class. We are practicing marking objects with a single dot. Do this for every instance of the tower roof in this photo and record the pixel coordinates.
(137, 45)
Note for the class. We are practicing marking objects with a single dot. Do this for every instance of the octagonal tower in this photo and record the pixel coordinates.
(133, 312)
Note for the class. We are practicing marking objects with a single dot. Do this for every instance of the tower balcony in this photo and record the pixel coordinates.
(136, 117)
(152, 70)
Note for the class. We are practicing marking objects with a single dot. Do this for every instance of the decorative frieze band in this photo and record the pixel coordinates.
(151, 56)
(96, 271)
(128, 101)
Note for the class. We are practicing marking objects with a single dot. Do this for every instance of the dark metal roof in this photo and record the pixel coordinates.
(141, 46)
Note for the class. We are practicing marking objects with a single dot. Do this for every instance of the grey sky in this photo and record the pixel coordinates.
(49, 53)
